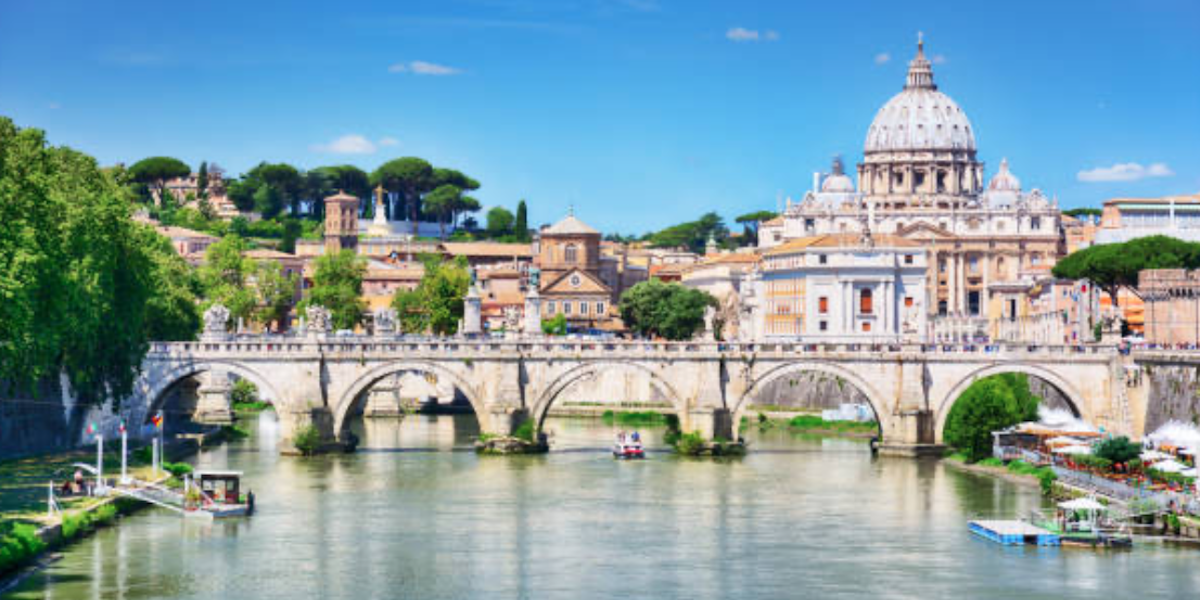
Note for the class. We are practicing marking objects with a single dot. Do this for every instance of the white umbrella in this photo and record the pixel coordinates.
(1153, 455)
(1062, 439)
(1189, 472)
(1073, 450)
(1169, 466)
(1081, 504)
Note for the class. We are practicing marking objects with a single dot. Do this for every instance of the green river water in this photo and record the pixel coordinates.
(416, 514)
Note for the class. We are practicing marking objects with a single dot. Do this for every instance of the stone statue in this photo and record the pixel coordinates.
(535, 278)
(512, 318)
(216, 318)
(384, 320)
(319, 319)
(474, 276)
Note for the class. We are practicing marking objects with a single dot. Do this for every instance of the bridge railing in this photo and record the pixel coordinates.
(283, 345)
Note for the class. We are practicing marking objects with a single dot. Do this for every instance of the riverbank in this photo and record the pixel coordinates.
(813, 424)
(28, 534)
(999, 471)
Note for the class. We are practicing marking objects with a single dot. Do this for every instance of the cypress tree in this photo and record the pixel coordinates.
(521, 227)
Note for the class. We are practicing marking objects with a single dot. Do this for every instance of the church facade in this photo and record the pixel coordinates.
(920, 180)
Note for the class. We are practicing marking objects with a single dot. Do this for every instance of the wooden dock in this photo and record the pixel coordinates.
(1015, 533)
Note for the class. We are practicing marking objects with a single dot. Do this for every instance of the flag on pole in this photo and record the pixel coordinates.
(121, 429)
(157, 419)
(91, 428)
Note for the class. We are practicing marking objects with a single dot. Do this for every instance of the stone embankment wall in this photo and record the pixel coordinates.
(1174, 394)
(46, 419)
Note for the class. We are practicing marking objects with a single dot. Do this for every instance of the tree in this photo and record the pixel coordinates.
(667, 310)
(751, 221)
(692, 235)
(499, 222)
(77, 274)
(157, 170)
(172, 312)
(442, 204)
(410, 177)
(268, 201)
(990, 404)
(276, 293)
(1117, 450)
(292, 230)
(225, 278)
(521, 227)
(323, 182)
(436, 305)
(556, 325)
(1079, 212)
(202, 181)
(337, 286)
(1115, 266)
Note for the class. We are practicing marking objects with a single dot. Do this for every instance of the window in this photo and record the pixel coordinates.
(866, 326)
(583, 308)
(1036, 259)
(571, 253)
(973, 263)
(810, 225)
(908, 259)
(908, 301)
(822, 259)
(942, 308)
(824, 326)
(1035, 223)
(551, 307)
(566, 307)
(823, 305)
(941, 265)
(864, 302)
(600, 308)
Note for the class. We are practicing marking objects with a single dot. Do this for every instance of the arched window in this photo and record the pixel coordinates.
(570, 254)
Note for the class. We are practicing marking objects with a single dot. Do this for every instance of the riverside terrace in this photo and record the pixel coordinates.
(911, 388)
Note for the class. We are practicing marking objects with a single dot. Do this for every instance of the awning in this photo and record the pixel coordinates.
(1082, 504)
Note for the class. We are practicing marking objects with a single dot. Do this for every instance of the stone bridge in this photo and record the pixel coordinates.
(710, 385)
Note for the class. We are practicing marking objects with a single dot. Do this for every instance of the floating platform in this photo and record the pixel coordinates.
(1015, 533)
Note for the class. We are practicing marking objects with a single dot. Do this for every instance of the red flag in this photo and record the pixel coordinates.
(122, 428)
(91, 428)
(157, 419)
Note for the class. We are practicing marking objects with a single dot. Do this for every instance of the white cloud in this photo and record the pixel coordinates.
(882, 58)
(420, 67)
(741, 34)
(939, 59)
(353, 143)
(1124, 172)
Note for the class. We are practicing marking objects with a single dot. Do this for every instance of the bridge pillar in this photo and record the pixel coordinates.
(911, 430)
(710, 423)
(383, 399)
(212, 407)
(293, 420)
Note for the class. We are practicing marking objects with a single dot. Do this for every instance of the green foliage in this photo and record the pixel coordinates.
(990, 404)
(750, 223)
(499, 222)
(690, 444)
(446, 202)
(1079, 212)
(76, 272)
(668, 310)
(643, 418)
(557, 325)
(177, 469)
(225, 278)
(244, 397)
(307, 440)
(235, 432)
(157, 170)
(78, 523)
(436, 304)
(1113, 266)
(814, 423)
(410, 177)
(172, 313)
(276, 293)
(19, 544)
(692, 235)
(527, 431)
(1046, 478)
(337, 285)
(521, 226)
(1117, 450)
(991, 462)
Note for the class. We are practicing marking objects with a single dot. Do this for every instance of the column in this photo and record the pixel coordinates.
(212, 407)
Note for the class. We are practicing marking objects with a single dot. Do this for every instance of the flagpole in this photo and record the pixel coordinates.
(124, 449)
(99, 461)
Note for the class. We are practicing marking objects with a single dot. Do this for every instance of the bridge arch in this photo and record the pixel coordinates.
(1075, 400)
(350, 399)
(154, 388)
(874, 398)
(541, 406)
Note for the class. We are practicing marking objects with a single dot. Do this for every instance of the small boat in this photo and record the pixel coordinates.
(628, 450)
(218, 493)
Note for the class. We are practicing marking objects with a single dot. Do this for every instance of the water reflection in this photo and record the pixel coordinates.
(417, 515)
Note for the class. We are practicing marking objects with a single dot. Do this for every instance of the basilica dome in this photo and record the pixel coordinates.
(920, 117)
(1004, 180)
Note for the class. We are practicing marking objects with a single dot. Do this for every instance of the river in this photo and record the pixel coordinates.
(416, 514)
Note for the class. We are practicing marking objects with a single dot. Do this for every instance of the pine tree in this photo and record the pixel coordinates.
(521, 228)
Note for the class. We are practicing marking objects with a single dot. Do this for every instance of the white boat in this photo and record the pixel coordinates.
(628, 450)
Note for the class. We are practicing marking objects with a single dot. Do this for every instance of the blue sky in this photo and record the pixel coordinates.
(640, 113)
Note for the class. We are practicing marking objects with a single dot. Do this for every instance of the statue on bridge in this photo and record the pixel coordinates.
(216, 320)
(319, 319)
(384, 320)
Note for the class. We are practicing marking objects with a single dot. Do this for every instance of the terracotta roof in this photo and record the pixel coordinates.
(841, 240)
(777, 221)
(505, 298)
(181, 232)
(488, 249)
(267, 253)
(737, 257)
(342, 196)
(1182, 199)
(570, 226)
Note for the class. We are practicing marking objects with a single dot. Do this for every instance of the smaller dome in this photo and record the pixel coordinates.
(837, 181)
(1004, 180)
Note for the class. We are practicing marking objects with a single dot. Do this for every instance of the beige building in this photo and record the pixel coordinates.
(1172, 306)
(920, 180)
(1124, 219)
(568, 256)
